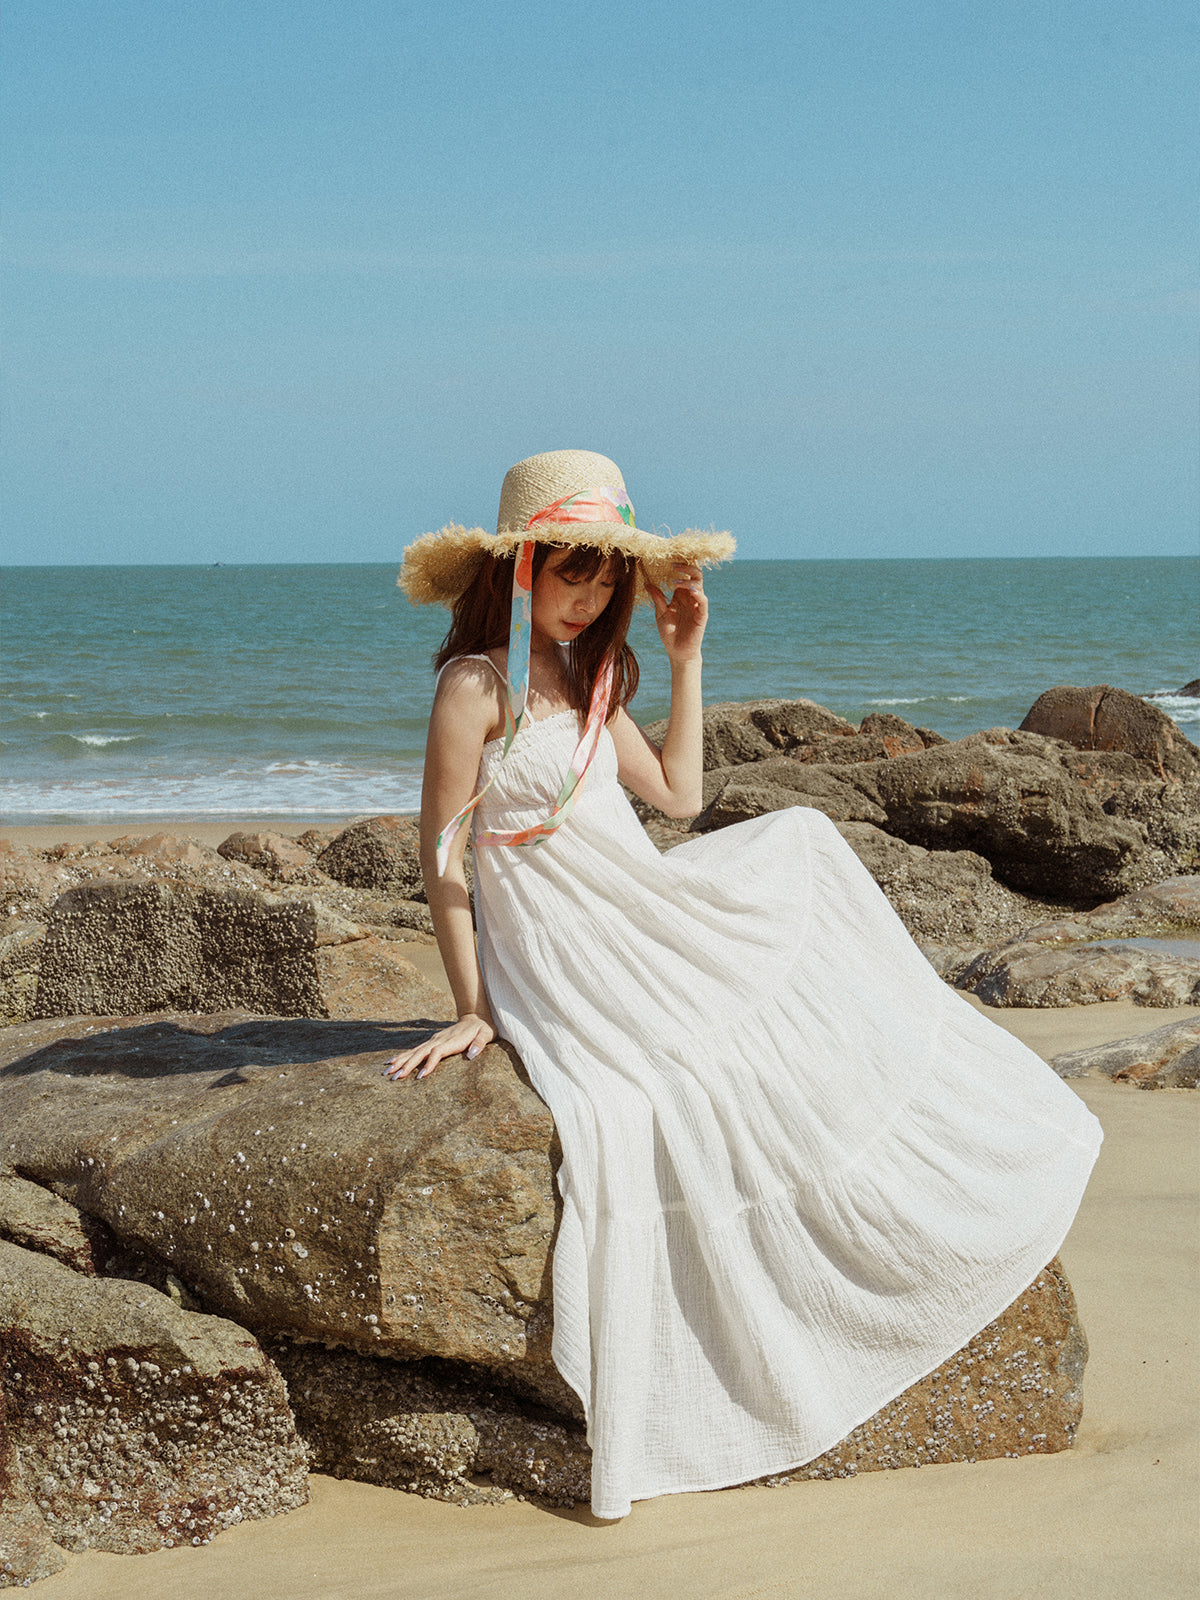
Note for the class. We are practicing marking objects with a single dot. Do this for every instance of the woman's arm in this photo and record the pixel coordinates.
(671, 778)
(465, 711)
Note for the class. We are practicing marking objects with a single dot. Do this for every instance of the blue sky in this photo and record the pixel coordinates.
(296, 282)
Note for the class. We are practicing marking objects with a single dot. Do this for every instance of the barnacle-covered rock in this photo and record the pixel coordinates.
(138, 1425)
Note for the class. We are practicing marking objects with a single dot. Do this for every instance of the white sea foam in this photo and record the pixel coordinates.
(921, 700)
(1182, 708)
(99, 740)
(279, 789)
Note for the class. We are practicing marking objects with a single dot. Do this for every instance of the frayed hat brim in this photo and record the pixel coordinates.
(439, 566)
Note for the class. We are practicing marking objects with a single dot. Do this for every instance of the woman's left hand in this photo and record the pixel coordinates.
(681, 620)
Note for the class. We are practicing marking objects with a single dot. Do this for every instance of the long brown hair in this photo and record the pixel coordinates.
(481, 615)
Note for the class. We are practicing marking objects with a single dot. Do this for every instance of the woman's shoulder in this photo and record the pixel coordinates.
(471, 672)
(470, 689)
(468, 702)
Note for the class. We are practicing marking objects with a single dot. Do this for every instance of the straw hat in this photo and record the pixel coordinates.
(439, 566)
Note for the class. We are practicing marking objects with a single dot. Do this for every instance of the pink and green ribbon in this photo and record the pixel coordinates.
(589, 505)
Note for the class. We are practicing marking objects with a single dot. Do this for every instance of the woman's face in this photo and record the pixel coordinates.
(562, 607)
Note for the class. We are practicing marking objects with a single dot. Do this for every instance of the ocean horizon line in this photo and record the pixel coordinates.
(741, 561)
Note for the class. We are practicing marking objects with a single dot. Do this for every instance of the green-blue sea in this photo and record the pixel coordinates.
(142, 693)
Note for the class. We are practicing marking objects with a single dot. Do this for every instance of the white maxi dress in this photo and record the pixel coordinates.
(799, 1171)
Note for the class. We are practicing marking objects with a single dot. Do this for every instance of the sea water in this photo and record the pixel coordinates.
(142, 693)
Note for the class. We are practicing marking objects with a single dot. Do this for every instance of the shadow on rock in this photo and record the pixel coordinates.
(87, 1047)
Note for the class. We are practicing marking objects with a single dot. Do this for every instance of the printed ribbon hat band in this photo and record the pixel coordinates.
(589, 505)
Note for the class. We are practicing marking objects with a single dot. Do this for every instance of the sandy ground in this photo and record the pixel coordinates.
(1116, 1518)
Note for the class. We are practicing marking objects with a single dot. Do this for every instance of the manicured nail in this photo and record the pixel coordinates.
(472, 1052)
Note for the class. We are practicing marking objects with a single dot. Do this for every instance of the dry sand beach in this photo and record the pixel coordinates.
(1116, 1516)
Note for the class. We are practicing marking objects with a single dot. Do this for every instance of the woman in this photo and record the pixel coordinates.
(798, 1171)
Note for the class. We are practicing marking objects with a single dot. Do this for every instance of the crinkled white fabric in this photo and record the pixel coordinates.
(798, 1170)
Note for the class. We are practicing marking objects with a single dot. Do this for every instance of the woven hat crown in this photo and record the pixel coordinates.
(438, 567)
(541, 481)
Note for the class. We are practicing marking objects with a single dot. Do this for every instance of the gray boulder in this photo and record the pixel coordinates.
(1064, 821)
(138, 1426)
(1167, 1058)
(994, 794)
(736, 732)
(383, 855)
(845, 793)
(1144, 947)
(1168, 814)
(1032, 972)
(1169, 907)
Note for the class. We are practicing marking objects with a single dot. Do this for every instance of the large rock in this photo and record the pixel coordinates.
(1013, 1390)
(1054, 819)
(845, 793)
(138, 1425)
(1103, 718)
(1169, 907)
(28, 883)
(286, 1183)
(740, 732)
(754, 730)
(999, 795)
(1167, 1058)
(1007, 797)
(995, 795)
(269, 1170)
(1169, 815)
(126, 948)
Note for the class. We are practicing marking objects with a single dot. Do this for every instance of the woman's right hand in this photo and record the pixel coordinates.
(466, 1037)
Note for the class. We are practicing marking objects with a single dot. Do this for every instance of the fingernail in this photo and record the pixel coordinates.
(472, 1052)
